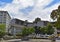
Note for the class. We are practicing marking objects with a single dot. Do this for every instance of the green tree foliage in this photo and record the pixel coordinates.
(37, 19)
(31, 30)
(50, 29)
(47, 30)
(26, 31)
(36, 27)
(2, 30)
(55, 14)
(57, 24)
(2, 27)
(42, 30)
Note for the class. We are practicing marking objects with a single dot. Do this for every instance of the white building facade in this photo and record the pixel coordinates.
(5, 19)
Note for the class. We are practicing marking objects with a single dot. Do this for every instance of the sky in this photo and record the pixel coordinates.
(29, 9)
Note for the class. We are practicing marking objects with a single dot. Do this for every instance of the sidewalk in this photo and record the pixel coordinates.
(3, 41)
(40, 40)
(31, 40)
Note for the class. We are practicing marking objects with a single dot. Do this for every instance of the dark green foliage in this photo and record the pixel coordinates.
(37, 19)
(55, 14)
(2, 33)
(42, 30)
(26, 31)
(47, 30)
(2, 30)
(50, 29)
(37, 29)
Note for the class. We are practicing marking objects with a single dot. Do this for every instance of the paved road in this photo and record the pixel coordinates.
(14, 40)
(57, 40)
(31, 40)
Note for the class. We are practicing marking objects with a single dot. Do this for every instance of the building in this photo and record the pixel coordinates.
(41, 23)
(17, 25)
(5, 19)
(29, 24)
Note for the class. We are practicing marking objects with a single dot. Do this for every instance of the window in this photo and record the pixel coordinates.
(4, 14)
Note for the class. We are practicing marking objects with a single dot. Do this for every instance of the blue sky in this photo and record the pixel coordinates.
(6, 1)
(29, 9)
(52, 3)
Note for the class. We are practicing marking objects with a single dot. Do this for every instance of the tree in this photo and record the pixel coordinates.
(37, 30)
(31, 30)
(42, 30)
(50, 29)
(57, 24)
(26, 21)
(36, 27)
(26, 31)
(47, 30)
(2, 30)
(55, 14)
(37, 19)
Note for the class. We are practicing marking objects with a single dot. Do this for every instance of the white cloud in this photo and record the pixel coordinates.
(38, 11)
(44, 14)
(24, 3)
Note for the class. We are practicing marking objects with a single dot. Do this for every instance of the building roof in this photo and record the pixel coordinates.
(6, 12)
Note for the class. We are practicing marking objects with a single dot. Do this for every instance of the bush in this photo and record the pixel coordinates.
(2, 30)
(19, 34)
(2, 33)
(18, 37)
(26, 31)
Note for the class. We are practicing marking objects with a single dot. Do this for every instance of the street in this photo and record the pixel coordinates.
(57, 40)
(31, 40)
